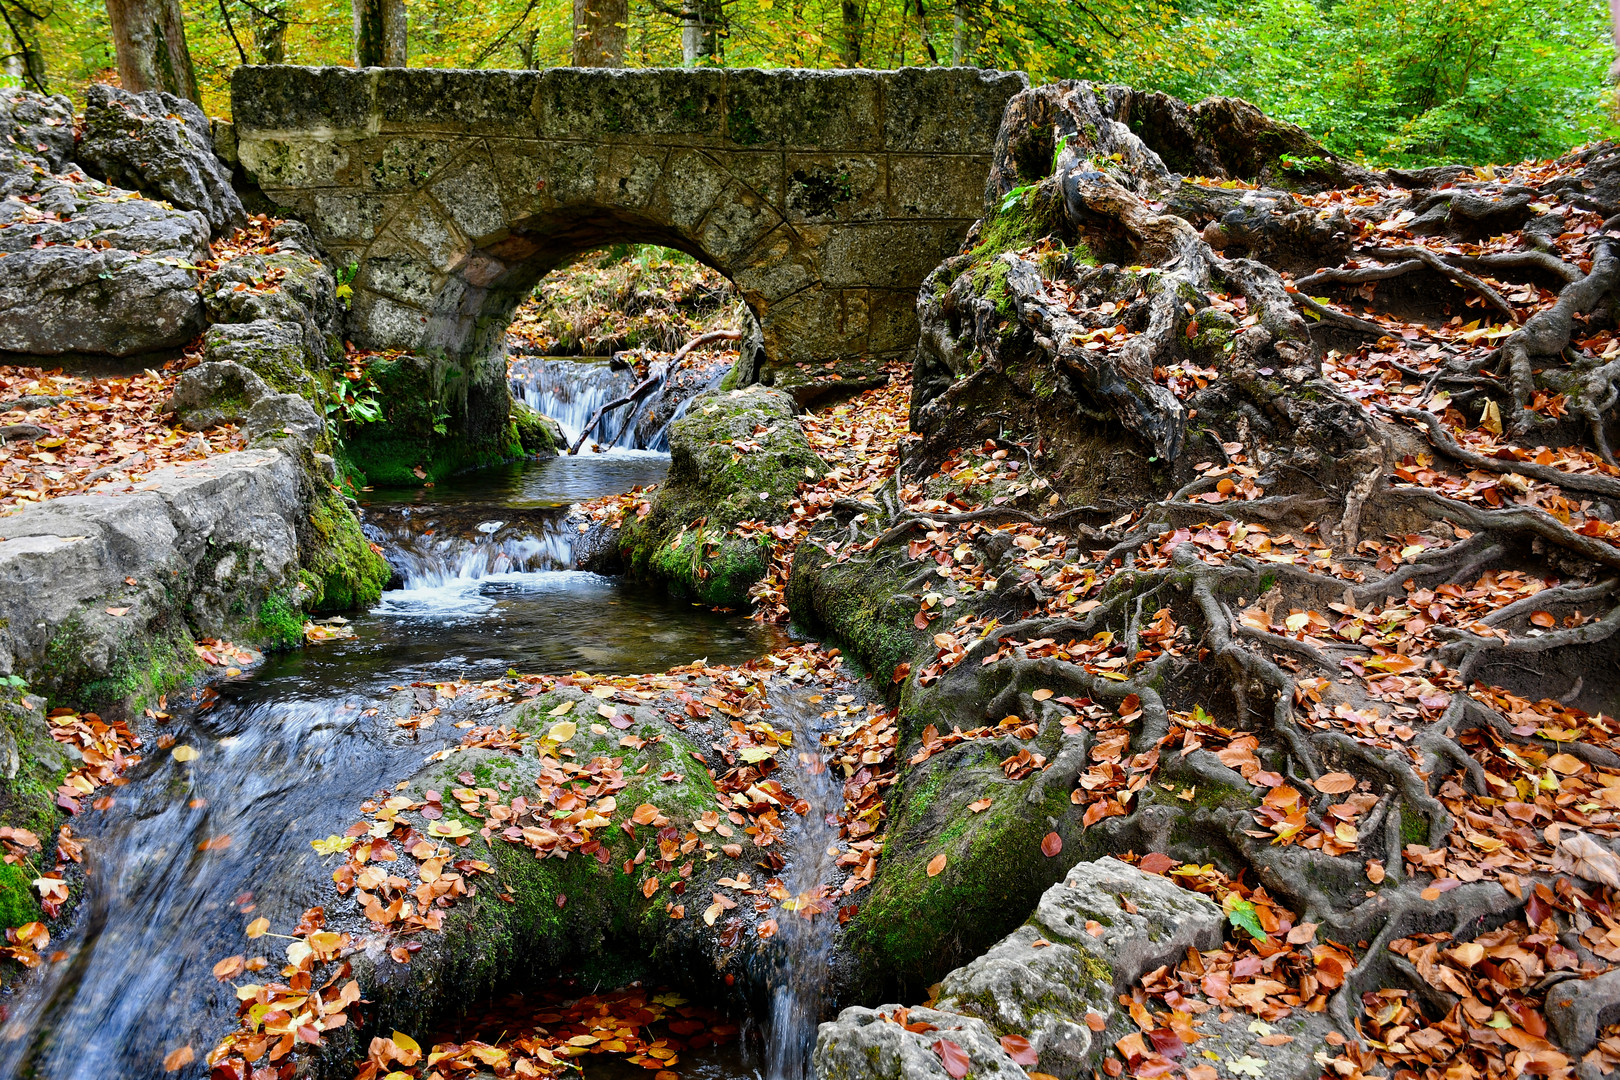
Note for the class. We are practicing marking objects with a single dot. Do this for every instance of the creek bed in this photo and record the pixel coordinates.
(191, 850)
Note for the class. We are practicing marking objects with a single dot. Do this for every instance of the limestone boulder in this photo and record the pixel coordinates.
(891, 1043)
(161, 146)
(222, 392)
(89, 268)
(38, 126)
(1093, 935)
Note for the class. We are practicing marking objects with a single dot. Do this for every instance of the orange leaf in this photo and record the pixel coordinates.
(1051, 844)
(175, 1060)
(1019, 1050)
(1335, 783)
(953, 1057)
(936, 864)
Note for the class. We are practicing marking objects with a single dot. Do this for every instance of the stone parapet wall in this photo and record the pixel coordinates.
(826, 196)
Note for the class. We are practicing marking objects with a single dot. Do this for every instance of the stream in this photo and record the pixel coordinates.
(483, 584)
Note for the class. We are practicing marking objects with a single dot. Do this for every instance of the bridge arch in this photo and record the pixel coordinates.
(826, 197)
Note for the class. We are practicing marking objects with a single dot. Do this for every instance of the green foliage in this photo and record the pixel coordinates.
(354, 404)
(1403, 82)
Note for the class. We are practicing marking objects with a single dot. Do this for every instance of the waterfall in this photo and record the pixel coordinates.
(429, 549)
(798, 978)
(570, 391)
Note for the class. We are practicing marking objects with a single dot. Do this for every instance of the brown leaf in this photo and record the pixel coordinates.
(979, 806)
(179, 1058)
(1335, 783)
(936, 865)
(229, 967)
(1156, 862)
(954, 1058)
(1051, 844)
(1019, 1050)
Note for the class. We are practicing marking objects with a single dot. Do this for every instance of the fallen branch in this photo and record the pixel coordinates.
(656, 378)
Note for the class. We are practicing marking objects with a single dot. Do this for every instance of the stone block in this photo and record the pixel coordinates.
(469, 192)
(413, 99)
(292, 162)
(835, 187)
(937, 186)
(316, 101)
(945, 110)
(736, 225)
(603, 105)
(408, 162)
(833, 110)
(886, 254)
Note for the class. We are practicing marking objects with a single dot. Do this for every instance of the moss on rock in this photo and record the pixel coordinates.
(424, 434)
(340, 568)
(736, 456)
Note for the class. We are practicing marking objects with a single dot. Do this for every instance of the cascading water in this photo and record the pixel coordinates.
(799, 974)
(191, 850)
(570, 391)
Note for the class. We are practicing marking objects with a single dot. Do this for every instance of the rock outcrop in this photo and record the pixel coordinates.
(89, 268)
(161, 146)
(736, 461)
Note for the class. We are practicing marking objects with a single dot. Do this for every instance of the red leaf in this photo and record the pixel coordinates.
(1019, 1050)
(953, 1057)
(1156, 862)
(1051, 844)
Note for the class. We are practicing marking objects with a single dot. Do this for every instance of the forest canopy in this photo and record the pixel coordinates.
(1390, 82)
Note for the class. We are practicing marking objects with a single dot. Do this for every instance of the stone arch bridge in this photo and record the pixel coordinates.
(826, 197)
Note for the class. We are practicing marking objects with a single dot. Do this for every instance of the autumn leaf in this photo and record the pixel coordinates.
(1051, 844)
(1241, 914)
(179, 1058)
(936, 865)
(953, 1057)
(1335, 783)
(1019, 1050)
(184, 753)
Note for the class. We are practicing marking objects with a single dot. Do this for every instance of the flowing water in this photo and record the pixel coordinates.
(571, 389)
(288, 753)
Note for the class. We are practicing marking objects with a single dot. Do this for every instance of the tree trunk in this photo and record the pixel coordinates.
(849, 44)
(379, 33)
(1614, 26)
(700, 31)
(962, 44)
(150, 39)
(270, 31)
(599, 31)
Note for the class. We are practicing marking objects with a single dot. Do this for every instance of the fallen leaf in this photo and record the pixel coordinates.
(936, 864)
(1051, 844)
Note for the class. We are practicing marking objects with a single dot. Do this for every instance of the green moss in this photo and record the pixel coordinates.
(424, 435)
(730, 381)
(913, 927)
(859, 604)
(1414, 826)
(280, 623)
(145, 668)
(18, 902)
(532, 432)
(343, 572)
(28, 790)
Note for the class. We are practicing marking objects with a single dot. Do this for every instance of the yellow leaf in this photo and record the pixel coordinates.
(561, 710)
(185, 753)
(561, 732)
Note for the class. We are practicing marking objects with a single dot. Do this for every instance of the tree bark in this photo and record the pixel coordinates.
(962, 44)
(379, 33)
(270, 31)
(700, 31)
(150, 39)
(849, 44)
(599, 32)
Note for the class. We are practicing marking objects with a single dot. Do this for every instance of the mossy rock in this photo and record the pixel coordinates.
(18, 901)
(736, 456)
(145, 666)
(428, 430)
(32, 765)
(539, 436)
(341, 570)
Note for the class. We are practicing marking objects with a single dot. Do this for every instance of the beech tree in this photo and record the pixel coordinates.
(599, 27)
(379, 33)
(150, 39)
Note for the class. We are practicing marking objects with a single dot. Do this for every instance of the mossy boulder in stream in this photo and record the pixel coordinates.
(624, 905)
(737, 459)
